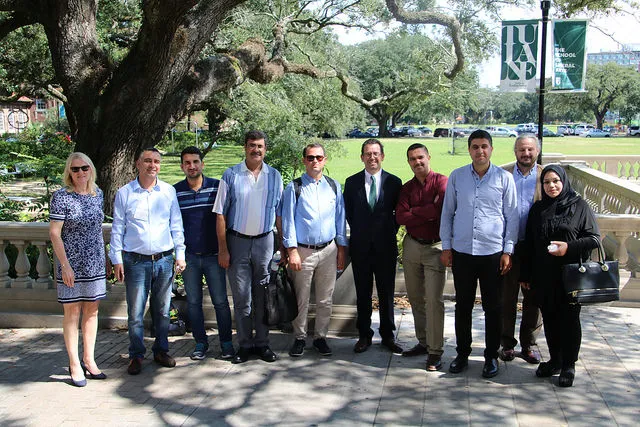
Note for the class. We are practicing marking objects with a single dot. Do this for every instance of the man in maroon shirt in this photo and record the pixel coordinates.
(419, 208)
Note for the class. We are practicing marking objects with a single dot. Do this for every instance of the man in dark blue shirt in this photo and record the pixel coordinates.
(196, 195)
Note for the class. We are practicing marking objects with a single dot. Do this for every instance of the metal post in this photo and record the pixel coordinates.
(544, 5)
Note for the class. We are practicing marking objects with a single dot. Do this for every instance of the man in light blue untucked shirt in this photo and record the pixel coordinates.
(314, 233)
(147, 227)
(479, 228)
(248, 206)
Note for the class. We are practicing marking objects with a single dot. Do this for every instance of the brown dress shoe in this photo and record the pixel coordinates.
(362, 345)
(391, 345)
(163, 359)
(416, 350)
(135, 366)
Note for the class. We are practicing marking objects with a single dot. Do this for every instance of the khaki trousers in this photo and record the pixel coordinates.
(319, 267)
(424, 277)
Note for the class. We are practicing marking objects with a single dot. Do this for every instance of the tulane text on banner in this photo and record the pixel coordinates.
(519, 56)
(569, 58)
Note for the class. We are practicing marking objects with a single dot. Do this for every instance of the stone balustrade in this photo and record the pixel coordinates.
(29, 302)
(625, 167)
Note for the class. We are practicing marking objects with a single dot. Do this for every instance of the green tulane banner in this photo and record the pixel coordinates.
(519, 56)
(569, 56)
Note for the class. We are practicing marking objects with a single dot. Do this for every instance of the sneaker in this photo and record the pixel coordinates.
(321, 345)
(227, 351)
(297, 349)
(200, 352)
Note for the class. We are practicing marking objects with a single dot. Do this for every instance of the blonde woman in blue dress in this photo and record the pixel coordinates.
(75, 230)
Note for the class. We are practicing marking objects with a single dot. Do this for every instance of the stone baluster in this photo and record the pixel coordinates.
(43, 267)
(22, 266)
(5, 280)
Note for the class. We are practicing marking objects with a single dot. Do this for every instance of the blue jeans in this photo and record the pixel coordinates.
(207, 265)
(142, 276)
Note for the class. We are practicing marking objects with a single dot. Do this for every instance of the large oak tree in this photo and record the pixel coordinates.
(117, 104)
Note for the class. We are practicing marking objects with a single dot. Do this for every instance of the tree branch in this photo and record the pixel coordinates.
(431, 17)
(17, 20)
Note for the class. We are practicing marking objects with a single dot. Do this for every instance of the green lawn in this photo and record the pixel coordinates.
(395, 155)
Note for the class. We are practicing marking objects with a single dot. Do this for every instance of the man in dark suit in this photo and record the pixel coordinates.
(370, 198)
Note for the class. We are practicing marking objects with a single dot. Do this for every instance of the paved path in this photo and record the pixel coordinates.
(348, 389)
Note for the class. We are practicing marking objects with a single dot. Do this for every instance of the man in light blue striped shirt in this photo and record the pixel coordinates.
(314, 227)
(248, 205)
(479, 229)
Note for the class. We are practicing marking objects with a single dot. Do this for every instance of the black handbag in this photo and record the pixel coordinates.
(592, 282)
(281, 305)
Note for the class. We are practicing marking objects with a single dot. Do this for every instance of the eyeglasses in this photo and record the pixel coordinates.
(374, 154)
(312, 158)
(76, 169)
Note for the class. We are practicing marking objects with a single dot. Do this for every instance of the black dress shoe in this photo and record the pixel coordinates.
(416, 350)
(490, 368)
(163, 359)
(434, 362)
(391, 345)
(266, 354)
(459, 364)
(135, 366)
(566, 377)
(547, 369)
(241, 356)
(362, 345)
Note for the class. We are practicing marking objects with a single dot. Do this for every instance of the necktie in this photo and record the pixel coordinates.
(372, 193)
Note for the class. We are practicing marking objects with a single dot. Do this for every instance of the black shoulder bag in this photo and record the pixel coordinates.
(592, 282)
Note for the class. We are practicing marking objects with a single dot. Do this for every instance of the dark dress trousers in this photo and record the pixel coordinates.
(373, 248)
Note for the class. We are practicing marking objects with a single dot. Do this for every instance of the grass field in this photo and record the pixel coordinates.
(395, 155)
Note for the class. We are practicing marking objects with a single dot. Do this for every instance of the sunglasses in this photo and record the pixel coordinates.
(312, 158)
(76, 169)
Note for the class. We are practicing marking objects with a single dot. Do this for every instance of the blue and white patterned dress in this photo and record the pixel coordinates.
(83, 244)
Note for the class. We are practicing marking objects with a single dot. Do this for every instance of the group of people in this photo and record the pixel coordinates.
(492, 226)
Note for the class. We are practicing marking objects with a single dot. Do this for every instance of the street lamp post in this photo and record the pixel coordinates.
(544, 5)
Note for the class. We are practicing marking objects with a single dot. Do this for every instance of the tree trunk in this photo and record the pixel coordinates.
(382, 120)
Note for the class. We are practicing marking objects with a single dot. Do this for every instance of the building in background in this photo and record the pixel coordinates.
(15, 116)
(629, 55)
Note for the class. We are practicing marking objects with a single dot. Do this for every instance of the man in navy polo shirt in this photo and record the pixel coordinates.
(196, 195)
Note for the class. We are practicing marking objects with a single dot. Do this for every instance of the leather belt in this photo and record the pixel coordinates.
(154, 257)
(246, 236)
(320, 246)
(425, 241)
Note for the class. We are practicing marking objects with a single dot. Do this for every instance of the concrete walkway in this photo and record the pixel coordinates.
(348, 389)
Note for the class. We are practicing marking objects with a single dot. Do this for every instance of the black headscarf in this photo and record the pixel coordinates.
(558, 210)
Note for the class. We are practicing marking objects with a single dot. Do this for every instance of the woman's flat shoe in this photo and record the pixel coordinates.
(566, 377)
(546, 369)
(79, 383)
(88, 374)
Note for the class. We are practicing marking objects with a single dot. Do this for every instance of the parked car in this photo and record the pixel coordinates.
(425, 130)
(445, 132)
(634, 130)
(582, 128)
(501, 131)
(525, 128)
(564, 129)
(357, 133)
(595, 133)
(414, 132)
(546, 132)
